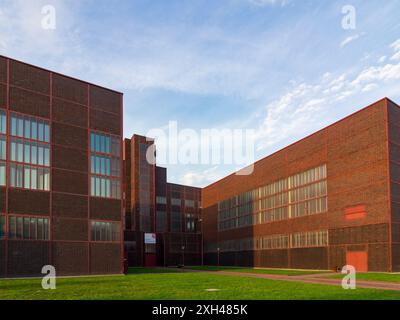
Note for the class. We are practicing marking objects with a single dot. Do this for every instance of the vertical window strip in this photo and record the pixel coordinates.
(105, 166)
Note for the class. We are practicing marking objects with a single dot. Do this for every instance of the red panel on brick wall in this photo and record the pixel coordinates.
(354, 213)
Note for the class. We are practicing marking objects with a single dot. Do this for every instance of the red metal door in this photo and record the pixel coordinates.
(150, 260)
(358, 259)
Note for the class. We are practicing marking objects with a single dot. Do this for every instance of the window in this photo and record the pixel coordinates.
(161, 200)
(161, 221)
(176, 220)
(105, 166)
(2, 227)
(309, 239)
(176, 202)
(29, 153)
(191, 221)
(296, 196)
(103, 231)
(3, 147)
(28, 228)
(189, 203)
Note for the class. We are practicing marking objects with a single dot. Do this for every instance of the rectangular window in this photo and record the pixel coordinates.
(176, 222)
(176, 202)
(296, 196)
(3, 147)
(161, 200)
(28, 228)
(309, 239)
(2, 227)
(105, 166)
(29, 153)
(102, 231)
(161, 221)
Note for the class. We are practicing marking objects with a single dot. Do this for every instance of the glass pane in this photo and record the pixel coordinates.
(13, 150)
(27, 153)
(11, 227)
(47, 156)
(34, 129)
(92, 141)
(27, 129)
(3, 149)
(40, 130)
(47, 132)
(108, 144)
(40, 229)
(33, 153)
(3, 227)
(20, 151)
(2, 173)
(92, 231)
(3, 123)
(40, 156)
(32, 230)
(46, 179)
(26, 228)
(103, 231)
(13, 125)
(19, 227)
(103, 144)
(27, 178)
(19, 174)
(20, 129)
(40, 179)
(92, 186)
(98, 143)
(46, 229)
(34, 178)
(98, 235)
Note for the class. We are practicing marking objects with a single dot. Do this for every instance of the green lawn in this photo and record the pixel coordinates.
(153, 270)
(182, 285)
(386, 277)
(285, 272)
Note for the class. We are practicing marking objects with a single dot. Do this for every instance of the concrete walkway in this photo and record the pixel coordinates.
(320, 278)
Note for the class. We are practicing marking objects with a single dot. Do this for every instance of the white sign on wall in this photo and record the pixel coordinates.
(150, 238)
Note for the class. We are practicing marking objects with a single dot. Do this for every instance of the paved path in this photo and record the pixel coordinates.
(311, 278)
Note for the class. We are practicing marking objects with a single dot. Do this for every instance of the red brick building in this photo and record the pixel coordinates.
(60, 179)
(168, 212)
(69, 187)
(328, 200)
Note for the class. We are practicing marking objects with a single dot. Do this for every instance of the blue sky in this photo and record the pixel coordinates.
(284, 68)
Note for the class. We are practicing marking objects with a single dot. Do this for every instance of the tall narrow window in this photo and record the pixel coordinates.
(29, 153)
(3, 148)
(105, 166)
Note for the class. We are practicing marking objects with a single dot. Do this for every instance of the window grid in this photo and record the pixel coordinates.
(105, 231)
(276, 242)
(29, 152)
(28, 228)
(3, 147)
(299, 195)
(105, 165)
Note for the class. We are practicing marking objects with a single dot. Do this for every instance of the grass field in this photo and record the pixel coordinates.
(386, 277)
(148, 284)
(285, 272)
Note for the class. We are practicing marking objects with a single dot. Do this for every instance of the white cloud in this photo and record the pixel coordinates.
(382, 59)
(300, 110)
(201, 178)
(396, 47)
(350, 39)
